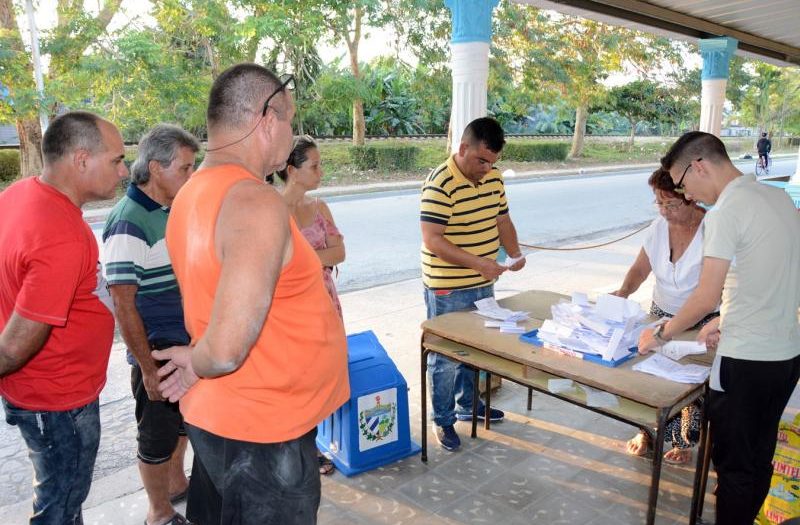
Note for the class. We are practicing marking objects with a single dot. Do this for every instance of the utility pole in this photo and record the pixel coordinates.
(37, 62)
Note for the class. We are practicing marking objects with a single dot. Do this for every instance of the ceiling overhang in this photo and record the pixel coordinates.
(765, 29)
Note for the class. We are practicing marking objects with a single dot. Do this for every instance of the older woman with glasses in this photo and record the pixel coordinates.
(673, 252)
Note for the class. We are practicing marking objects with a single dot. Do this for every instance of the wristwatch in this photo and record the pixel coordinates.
(657, 334)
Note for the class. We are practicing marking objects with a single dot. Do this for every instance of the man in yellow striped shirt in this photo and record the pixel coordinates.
(465, 220)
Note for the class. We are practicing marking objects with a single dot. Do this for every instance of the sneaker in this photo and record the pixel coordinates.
(447, 437)
(494, 415)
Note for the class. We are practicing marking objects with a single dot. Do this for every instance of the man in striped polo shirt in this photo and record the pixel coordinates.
(465, 220)
(148, 307)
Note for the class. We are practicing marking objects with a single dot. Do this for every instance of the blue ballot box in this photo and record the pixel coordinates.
(372, 428)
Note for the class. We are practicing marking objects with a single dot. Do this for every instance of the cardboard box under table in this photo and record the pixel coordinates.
(371, 429)
(645, 401)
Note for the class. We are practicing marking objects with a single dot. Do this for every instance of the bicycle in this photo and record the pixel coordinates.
(762, 168)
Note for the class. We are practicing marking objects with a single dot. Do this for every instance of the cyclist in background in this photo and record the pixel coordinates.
(764, 146)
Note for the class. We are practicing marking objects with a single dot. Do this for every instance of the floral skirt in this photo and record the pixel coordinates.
(683, 430)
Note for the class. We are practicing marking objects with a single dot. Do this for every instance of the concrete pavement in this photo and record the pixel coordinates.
(555, 464)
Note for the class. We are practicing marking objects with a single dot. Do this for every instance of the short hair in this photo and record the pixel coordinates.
(301, 145)
(486, 130)
(661, 180)
(764, 134)
(160, 144)
(238, 94)
(692, 146)
(71, 131)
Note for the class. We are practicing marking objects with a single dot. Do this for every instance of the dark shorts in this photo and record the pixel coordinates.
(158, 423)
(242, 483)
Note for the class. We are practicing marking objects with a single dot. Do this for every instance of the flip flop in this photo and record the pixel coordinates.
(686, 455)
(180, 496)
(176, 519)
(326, 466)
(645, 444)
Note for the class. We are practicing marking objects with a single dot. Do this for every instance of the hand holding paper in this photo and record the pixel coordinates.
(679, 349)
(512, 263)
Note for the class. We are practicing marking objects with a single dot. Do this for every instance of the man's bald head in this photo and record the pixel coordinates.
(238, 95)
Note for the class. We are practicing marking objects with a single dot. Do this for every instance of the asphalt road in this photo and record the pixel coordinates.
(382, 233)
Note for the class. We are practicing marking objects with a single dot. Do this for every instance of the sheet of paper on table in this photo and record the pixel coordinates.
(662, 366)
(488, 307)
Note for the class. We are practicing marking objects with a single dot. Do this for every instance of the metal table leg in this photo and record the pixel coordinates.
(424, 403)
(487, 408)
(658, 451)
(702, 466)
(476, 392)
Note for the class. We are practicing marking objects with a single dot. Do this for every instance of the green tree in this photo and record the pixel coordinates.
(638, 101)
(347, 21)
(571, 57)
(391, 107)
(75, 32)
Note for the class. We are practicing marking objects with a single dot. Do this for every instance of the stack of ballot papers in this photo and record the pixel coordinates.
(662, 366)
(499, 317)
(608, 328)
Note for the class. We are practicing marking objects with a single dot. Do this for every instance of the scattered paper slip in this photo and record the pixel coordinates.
(598, 398)
(559, 386)
(506, 327)
(662, 366)
(511, 261)
(488, 307)
(677, 350)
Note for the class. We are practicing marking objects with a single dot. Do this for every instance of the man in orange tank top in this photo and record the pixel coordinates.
(268, 357)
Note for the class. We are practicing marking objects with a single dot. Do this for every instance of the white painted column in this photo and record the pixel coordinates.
(716, 53)
(470, 67)
(712, 100)
(469, 62)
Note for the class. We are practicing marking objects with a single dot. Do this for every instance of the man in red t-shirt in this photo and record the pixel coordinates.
(55, 333)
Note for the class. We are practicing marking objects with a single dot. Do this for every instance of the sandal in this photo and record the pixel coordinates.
(176, 519)
(181, 496)
(678, 456)
(326, 466)
(638, 445)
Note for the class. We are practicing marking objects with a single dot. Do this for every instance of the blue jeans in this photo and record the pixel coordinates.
(62, 447)
(451, 384)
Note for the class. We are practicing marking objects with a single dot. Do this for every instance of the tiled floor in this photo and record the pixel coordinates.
(556, 464)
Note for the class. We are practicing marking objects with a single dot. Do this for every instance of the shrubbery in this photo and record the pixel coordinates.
(535, 151)
(9, 165)
(389, 157)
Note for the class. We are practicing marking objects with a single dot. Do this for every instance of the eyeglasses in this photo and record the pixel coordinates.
(287, 83)
(668, 206)
(679, 186)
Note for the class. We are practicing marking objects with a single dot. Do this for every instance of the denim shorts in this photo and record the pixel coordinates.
(62, 447)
